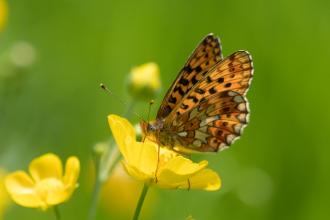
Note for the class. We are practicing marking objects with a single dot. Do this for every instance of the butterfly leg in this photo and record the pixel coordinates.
(144, 138)
(181, 153)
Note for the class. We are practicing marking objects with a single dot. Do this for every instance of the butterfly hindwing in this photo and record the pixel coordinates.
(204, 57)
(214, 124)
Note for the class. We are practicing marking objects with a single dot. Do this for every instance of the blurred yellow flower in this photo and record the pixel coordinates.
(144, 82)
(4, 201)
(119, 194)
(174, 171)
(3, 14)
(48, 186)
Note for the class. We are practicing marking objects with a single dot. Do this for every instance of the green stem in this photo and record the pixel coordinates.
(103, 171)
(140, 202)
(95, 199)
(112, 159)
(57, 212)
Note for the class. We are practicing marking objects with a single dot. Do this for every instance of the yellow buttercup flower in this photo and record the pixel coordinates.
(3, 13)
(174, 171)
(47, 186)
(144, 82)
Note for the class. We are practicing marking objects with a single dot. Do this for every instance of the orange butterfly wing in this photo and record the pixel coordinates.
(204, 57)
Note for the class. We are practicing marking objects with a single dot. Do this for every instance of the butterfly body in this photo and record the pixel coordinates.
(205, 109)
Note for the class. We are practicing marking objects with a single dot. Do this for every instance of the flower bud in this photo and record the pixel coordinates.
(143, 82)
(15, 63)
(22, 55)
(100, 149)
(138, 131)
(17, 60)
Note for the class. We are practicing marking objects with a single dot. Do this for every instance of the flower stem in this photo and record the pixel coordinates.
(57, 212)
(140, 202)
(95, 199)
(113, 157)
(104, 169)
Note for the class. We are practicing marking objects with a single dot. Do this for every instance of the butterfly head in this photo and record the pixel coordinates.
(148, 128)
(151, 129)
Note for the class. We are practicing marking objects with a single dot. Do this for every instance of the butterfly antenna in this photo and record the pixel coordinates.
(105, 88)
(149, 110)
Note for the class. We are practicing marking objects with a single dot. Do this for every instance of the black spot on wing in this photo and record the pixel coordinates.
(227, 85)
(212, 90)
(188, 69)
(194, 80)
(184, 82)
(193, 98)
(179, 89)
(208, 79)
(172, 100)
(220, 80)
(200, 91)
(198, 69)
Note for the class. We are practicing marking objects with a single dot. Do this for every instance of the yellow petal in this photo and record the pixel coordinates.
(205, 179)
(183, 166)
(46, 166)
(143, 156)
(72, 169)
(169, 179)
(123, 133)
(137, 173)
(177, 171)
(21, 189)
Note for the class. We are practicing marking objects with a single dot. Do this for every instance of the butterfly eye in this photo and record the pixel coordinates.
(151, 128)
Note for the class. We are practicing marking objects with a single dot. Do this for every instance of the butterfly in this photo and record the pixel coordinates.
(205, 109)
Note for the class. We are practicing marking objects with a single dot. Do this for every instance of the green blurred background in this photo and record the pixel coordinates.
(278, 170)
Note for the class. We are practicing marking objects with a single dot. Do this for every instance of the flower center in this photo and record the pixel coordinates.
(165, 155)
(47, 188)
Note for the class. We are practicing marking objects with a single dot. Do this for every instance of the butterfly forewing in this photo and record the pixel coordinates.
(231, 74)
(204, 57)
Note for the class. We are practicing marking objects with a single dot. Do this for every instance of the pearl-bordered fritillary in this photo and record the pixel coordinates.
(205, 109)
